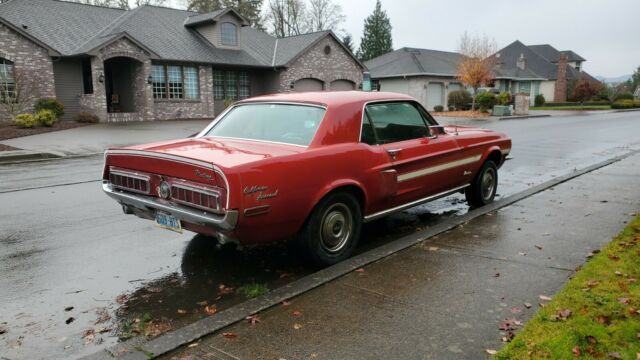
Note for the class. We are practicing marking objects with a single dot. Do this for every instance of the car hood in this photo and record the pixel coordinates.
(223, 152)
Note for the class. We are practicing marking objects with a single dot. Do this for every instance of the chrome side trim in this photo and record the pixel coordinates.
(245, 139)
(413, 203)
(226, 222)
(438, 168)
(151, 154)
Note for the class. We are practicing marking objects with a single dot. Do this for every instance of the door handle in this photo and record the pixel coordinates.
(393, 153)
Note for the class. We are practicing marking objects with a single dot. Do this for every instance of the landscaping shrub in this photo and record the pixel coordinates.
(46, 118)
(86, 117)
(25, 120)
(539, 100)
(551, 104)
(451, 108)
(626, 104)
(50, 104)
(438, 108)
(485, 101)
(504, 98)
(460, 99)
(623, 96)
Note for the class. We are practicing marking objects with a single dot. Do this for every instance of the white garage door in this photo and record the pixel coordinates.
(303, 85)
(342, 85)
(395, 85)
(435, 95)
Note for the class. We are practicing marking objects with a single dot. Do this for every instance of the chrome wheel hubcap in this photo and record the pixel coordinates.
(337, 225)
(488, 184)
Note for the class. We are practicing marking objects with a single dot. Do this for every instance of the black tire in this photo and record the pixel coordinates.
(332, 231)
(483, 189)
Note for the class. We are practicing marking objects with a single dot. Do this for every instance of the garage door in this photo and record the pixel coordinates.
(303, 85)
(435, 95)
(342, 85)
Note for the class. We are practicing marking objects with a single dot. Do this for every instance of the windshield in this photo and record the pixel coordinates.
(284, 123)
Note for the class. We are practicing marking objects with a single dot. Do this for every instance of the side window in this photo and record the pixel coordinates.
(366, 134)
(393, 122)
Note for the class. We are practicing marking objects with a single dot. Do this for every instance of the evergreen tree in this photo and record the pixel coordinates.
(348, 42)
(376, 39)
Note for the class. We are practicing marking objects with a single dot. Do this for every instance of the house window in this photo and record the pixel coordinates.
(87, 79)
(229, 34)
(175, 82)
(7, 81)
(232, 85)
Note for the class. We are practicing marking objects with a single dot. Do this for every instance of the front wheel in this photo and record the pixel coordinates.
(484, 186)
(332, 231)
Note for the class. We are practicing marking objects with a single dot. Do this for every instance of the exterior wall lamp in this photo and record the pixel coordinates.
(150, 80)
(101, 78)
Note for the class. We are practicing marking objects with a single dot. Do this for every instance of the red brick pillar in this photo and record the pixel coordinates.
(560, 94)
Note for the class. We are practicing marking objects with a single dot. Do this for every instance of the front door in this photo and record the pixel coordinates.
(424, 162)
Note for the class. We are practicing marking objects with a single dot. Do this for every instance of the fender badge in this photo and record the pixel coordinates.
(467, 173)
(203, 175)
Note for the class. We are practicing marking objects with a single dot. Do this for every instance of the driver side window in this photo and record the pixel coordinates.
(393, 122)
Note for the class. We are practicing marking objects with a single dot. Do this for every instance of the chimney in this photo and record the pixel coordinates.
(560, 94)
(522, 62)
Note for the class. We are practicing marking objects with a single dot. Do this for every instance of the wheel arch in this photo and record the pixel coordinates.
(494, 154)
(351, 186)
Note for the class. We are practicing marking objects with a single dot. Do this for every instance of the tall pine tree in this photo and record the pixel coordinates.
(376, 39)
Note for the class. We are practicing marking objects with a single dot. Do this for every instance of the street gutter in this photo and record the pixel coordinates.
(14, 156)
(516, 117)
(201, 328)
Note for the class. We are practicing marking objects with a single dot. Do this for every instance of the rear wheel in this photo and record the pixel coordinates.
(483, 188)
(332, 231)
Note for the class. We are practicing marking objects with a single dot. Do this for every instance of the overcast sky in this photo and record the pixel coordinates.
(605, 32)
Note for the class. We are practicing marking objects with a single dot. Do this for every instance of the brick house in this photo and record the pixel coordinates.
(159, 63)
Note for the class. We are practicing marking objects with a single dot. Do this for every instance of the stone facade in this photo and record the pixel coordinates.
(28, 58)
(316, 64)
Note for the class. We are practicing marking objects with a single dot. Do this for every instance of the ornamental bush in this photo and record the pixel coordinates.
(50, 104)
(86, 117)
(438, 108)
(486, 100)
(25, 120)
(46, 118)
(504, 98)
(626, 104)
(623, 96)
(460, 99)
(539, 100)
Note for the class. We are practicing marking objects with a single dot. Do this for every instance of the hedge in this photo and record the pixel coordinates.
(626, 104)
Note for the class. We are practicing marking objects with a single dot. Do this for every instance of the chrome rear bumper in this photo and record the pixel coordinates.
(224, 223)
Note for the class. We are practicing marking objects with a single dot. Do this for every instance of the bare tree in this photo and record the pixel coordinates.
(325, 15)
(475, 67)
(287, 17)
(21, 96)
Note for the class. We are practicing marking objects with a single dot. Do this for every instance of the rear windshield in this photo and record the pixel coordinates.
(284, 123)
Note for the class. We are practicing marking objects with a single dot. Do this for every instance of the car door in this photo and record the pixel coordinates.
(424, 162)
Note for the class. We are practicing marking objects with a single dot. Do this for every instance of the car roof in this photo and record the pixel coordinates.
(330, 98)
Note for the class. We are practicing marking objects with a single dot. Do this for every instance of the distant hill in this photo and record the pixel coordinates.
(614, 80)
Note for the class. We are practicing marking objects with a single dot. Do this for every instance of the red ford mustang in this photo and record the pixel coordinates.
(308, 166)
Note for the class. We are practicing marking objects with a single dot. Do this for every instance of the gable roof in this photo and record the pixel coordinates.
(553, 55)
(413, 62)
(72, 29)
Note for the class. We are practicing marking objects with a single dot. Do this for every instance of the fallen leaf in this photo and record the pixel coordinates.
(614, 257)
(538, 247)
(202, 303)
(527, 305)
(68, 308)
(253, 319)
(603, 320)
(522, 254)
(3, 330)
(618, 273)
(156, 328)
(614, 355)
(491, 351)
(576, 351)
(224, 290)
(121, 299)
(229, 335)
(516, 310)
(182, 311)
(624, 300)
(592, 340)
(297, 326)
(433, 248)
(192, 345)
(103, 316)
(544, 298)
(286, 303)
(497, 275)
(633, 311)
(360, 270)
(210, 310)
(296, 313)
(508, 337)
(564, 314)
(592, 283)
(70, 320)
(154, 289)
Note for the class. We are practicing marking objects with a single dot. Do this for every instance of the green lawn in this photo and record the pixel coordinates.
(572, 107)
(603, 303)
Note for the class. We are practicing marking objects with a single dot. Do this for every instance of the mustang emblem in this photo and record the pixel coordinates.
(203, 175)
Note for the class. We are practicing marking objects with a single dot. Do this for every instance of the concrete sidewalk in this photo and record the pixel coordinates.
(444, 298)
(94, 139)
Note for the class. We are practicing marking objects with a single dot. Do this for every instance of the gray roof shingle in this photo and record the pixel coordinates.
(411, 61)
(74, 29)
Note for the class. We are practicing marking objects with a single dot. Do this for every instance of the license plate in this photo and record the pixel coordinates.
(168, 222)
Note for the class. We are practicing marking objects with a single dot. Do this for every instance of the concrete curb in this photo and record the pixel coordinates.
(625, 110)
(14, 156)
(49, 157)
(180, 337)
(517, 117)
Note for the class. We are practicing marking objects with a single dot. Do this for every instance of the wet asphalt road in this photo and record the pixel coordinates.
(64, 244)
